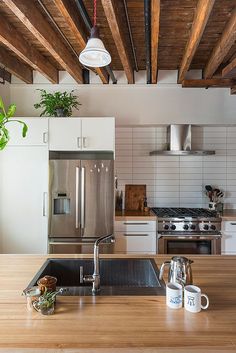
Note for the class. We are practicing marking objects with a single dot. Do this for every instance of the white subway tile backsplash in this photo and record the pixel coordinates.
(190, 182)
(169, 194)
(190, 188)
(166, 188)
(192, 176)
(177, 180)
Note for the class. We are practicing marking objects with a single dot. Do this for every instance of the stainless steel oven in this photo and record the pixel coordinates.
(188, 231)
(203, 245)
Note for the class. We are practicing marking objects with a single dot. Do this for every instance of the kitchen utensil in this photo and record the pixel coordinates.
(179, 270)
(174, 295)
(212, 206)
(193, 298)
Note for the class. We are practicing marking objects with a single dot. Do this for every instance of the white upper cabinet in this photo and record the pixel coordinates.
(37, 134)
(83, 134)
(65, 134)
(98, 134)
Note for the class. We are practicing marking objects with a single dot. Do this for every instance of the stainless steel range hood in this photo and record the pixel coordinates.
(179, 143)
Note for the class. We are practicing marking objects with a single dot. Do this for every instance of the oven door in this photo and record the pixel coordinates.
(202, 245)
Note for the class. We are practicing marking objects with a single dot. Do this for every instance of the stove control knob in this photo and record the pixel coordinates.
(213, 227)
(185, 227)
(206, 227)
(166, 226)
(172, 227)
(193, 226)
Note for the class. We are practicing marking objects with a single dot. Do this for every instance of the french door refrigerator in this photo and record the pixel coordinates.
(81, 203)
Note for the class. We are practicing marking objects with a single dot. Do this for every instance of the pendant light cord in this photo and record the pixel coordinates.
(95, 12)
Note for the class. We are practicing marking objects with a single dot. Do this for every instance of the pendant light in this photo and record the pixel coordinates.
(95, 54)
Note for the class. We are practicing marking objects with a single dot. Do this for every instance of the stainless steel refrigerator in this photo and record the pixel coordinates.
(81, 204)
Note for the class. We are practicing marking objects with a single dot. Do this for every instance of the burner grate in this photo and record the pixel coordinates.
(183, 212)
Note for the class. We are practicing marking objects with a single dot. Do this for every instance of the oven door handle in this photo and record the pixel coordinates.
(190, 237)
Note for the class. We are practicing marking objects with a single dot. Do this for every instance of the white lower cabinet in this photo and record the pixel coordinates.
(23, 199)
(135, 237)
(228, 242)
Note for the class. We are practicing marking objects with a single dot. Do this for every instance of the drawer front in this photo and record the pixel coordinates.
(135, 242)
(229, 226)
(135, 226)
(228, 243)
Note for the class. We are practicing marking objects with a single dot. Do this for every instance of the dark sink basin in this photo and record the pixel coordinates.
(118, 276)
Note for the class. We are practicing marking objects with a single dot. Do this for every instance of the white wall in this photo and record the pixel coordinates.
(177, 181)
(5, 93)
(138, 104)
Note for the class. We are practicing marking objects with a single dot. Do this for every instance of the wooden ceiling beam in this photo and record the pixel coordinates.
(155, 24)
(73, 21)
(222, 47)
(112, 15)
(12, 39)
(14, 66)
(203, 11)
(229, 71)
(211, 82)
(36, 23)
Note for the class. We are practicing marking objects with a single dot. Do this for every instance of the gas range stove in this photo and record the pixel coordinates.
(187, 221)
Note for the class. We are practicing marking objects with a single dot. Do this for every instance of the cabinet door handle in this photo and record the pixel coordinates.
(45, 137)
(45, 196)
(233, 224)
(85, 142)
(135, 223)
(135, 235)
(79, 142)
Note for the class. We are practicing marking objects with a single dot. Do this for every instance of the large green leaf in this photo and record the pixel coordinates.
(2, 117)
(11, 110)
(4, 137)
(24, 129)
(1, 103)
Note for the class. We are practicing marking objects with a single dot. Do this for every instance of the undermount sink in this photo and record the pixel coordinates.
(118, 276)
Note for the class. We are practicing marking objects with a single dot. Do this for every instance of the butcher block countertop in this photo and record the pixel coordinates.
(135, 215)
(118, 324)
(229, 215)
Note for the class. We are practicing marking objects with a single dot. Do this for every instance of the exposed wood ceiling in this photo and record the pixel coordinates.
(184, 35)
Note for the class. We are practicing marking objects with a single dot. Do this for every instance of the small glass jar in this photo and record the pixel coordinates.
(44, 307)
(31, 295)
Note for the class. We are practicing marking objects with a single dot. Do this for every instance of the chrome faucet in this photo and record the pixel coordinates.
(95, 277)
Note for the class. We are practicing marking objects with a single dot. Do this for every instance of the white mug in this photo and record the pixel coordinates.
(193, 299)
(174, 295)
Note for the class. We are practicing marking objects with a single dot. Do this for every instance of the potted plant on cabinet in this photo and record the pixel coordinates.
(5, 118)
(57, 104)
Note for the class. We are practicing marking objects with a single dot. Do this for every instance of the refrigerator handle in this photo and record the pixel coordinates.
(82, 209)
(77, 198)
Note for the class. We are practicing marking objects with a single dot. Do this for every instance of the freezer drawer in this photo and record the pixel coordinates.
(77, 247)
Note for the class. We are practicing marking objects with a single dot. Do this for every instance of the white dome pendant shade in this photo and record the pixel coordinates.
(95, 54)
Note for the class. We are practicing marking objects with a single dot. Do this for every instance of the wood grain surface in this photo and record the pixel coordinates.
(119, 322)
(134, 197)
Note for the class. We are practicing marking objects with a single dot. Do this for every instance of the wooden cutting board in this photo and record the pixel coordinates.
(134, 195)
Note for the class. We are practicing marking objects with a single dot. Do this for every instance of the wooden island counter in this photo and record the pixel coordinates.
(114, 324)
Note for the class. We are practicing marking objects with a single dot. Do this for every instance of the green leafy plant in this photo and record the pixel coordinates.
(52, 102)
(46, 301)
(5, 118)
